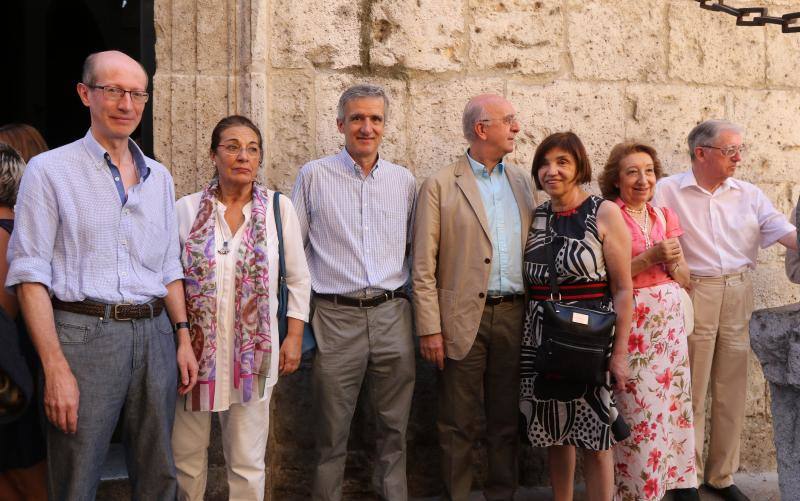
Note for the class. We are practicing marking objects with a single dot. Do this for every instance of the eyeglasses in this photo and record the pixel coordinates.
(507, 120)
(728, 151)
(234, 149)
(115, 93)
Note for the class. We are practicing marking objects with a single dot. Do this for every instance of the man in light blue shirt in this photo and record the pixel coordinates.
(94, 260)
(471, 223)
(505, 227)
(355, 212)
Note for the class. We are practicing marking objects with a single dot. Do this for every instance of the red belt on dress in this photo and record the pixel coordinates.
(571, 292)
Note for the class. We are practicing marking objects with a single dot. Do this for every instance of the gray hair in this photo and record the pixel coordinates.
(361, 91)
(472, 115)
(11, 167)
(707, 132)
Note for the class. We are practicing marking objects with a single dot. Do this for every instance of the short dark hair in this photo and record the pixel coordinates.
(609, 178)
(235, 121)
(570, 143)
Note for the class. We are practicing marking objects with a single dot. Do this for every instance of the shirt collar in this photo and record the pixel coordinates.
(727, 184)
(100, 156)
(345, 157)
(480, 170)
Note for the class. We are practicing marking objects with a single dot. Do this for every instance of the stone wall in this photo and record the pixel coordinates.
(606, 69)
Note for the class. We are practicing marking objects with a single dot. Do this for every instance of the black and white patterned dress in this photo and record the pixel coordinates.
(558, 413)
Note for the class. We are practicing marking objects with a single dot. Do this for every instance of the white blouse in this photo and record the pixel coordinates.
(297, 278)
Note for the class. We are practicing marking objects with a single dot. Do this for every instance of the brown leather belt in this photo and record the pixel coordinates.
(121, 311)
(508, 298)
(367, 302)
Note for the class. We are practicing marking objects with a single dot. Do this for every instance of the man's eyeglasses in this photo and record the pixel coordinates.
(728, 151)
(233, 150)
(507, 120)
(115, 93)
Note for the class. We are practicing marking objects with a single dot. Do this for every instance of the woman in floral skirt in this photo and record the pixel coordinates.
(657, 399)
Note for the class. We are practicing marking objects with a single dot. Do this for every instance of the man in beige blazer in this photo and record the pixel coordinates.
(470, 228)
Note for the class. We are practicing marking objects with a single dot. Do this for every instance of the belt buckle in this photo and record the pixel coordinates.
(116, 316)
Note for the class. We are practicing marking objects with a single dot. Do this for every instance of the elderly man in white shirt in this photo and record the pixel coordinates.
(725, 221)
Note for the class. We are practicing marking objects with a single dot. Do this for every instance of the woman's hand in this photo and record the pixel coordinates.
(666, 251)
(292, 347)
(618, 366)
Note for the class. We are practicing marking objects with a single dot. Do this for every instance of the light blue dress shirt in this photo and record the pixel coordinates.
(505, 226)
(356, 229)
(80, 236)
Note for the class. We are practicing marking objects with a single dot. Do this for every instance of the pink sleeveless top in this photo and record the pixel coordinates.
(656, 274)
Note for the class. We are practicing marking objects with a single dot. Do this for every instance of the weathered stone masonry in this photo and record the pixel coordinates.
(606, 69)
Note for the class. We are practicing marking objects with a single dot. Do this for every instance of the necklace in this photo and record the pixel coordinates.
(644, 226)
(225, 249)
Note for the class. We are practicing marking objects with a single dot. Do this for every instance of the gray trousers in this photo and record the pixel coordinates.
(487, 376)
(353, 344)
(117, 364)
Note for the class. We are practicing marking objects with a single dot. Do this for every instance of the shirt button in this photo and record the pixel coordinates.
(123, 274)
(487, 260)
(124, 243)
(481, 295)
(116, 178)
(126, 211)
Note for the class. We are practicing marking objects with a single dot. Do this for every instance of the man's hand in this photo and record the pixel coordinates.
(61, 398)
(432, 349)
(187, 363)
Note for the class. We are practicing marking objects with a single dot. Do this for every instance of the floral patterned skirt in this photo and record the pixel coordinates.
(657, 401)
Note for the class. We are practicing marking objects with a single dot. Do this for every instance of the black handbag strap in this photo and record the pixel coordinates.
(276, 207)
(555, 295)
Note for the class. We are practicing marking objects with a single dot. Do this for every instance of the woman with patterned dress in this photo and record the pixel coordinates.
(657, 399)
(591, 246)
(230, 259)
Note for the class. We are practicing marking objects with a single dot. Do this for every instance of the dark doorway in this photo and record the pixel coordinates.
(44, 43)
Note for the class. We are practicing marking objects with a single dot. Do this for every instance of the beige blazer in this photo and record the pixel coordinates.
(453, 252)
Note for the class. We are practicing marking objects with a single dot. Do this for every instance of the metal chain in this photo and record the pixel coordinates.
(754, 16)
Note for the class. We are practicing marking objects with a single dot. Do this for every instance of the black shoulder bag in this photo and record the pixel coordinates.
(575, 341)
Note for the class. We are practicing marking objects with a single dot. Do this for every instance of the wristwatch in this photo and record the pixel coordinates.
(180, 325)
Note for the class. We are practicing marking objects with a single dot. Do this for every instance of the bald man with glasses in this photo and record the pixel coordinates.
(469, 297)
(725, 221)
(95, 263)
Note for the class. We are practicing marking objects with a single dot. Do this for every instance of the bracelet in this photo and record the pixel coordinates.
(673, 270)
(181, 325)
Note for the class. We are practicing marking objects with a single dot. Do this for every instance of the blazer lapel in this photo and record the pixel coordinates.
(469, 187)
(524, 199)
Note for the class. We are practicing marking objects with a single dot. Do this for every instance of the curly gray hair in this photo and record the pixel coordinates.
(11, 167)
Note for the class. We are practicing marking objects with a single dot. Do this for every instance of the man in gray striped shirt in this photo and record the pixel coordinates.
(355, 211)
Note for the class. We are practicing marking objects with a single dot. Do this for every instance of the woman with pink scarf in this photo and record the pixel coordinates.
(230, 258)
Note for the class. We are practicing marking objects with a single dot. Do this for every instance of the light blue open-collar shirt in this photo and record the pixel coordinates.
(79, 234)
(505, 226)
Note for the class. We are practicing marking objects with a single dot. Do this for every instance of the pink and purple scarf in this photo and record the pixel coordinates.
(251, 326)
